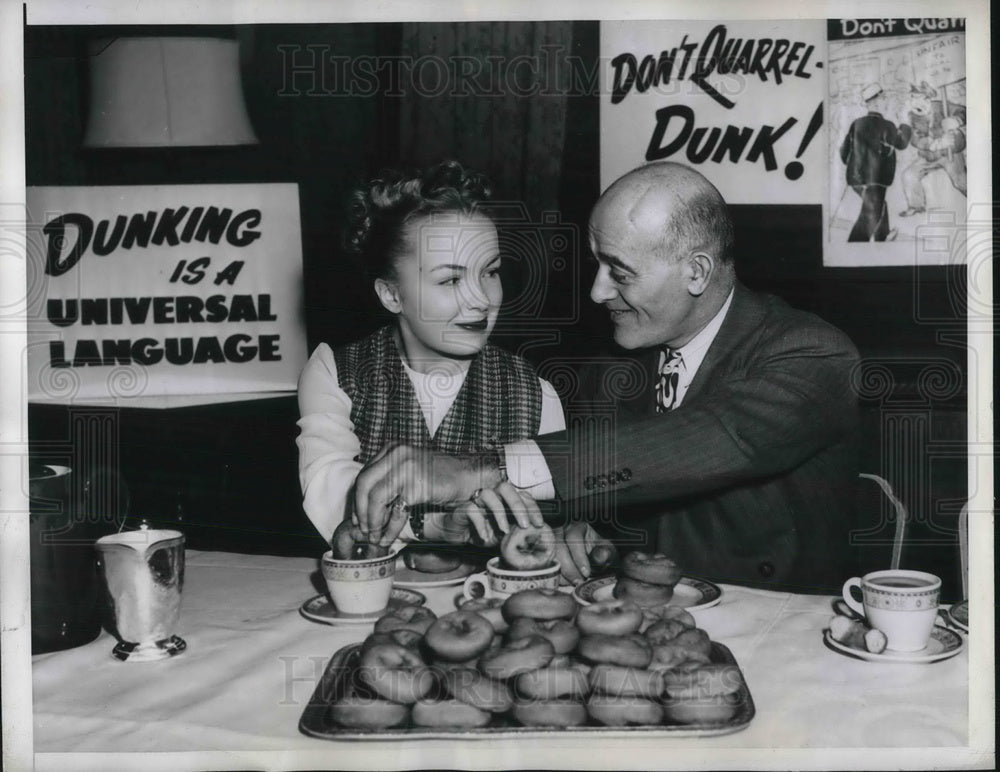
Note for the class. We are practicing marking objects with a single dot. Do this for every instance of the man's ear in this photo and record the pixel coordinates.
(700, 267)
(388, 295)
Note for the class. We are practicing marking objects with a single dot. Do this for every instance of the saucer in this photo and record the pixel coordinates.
(943, 644)
(958, 615)
(321, 609)
(407, 577)
(689, 593)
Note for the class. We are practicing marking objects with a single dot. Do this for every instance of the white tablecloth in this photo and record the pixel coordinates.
(253, 661)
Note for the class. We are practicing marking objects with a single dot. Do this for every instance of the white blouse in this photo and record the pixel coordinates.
(327, 442)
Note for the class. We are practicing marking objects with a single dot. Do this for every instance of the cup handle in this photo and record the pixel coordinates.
(477, 579)
(849, 585)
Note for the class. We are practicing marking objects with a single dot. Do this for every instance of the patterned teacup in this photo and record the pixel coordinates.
(902, 604)
(500, 582)
(359, 586)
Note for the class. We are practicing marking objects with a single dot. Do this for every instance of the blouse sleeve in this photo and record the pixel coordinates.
(552, 419)
(327, 443)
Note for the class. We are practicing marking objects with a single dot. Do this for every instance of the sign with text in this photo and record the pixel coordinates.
(164, 290)
(741, 101)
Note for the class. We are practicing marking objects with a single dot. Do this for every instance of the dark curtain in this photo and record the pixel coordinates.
(494, 97)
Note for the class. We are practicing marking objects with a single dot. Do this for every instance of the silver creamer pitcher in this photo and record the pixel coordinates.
(143, 574)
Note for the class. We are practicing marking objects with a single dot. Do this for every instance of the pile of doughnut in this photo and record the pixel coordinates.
(537, 659)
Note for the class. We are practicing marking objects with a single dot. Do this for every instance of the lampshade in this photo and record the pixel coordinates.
(166, 92)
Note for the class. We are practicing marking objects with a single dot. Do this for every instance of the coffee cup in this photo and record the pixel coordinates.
(499, 582)
(359, 587)
(902, 604)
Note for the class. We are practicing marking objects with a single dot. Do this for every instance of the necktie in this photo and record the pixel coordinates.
(671, 363)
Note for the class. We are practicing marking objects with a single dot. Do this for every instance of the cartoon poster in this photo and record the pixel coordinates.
(741, 101)
(897, 137)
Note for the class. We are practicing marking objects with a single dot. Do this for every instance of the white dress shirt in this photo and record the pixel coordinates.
(526, 467)
(328, 445)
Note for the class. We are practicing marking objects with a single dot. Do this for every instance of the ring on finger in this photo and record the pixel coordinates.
(400, 502)
(474, 498)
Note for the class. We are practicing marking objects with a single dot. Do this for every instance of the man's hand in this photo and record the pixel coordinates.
(573, 545)
(403, 475)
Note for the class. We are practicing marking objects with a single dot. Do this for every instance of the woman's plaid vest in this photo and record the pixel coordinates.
(500, 401)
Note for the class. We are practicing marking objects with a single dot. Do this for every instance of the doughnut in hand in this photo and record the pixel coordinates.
(527, 549)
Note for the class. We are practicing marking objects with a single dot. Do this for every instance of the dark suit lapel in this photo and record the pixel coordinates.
(744, 316)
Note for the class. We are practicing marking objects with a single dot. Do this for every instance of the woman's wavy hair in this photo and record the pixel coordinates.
(378, 212)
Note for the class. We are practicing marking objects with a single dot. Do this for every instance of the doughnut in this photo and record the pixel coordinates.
(396, 673)
(618, 681)
(666, 611)
(609, 617)
(550, 683)
(619, 711)
(561, 633)
(528, 549)
(517, 657)
(448, 713)
(408, 617)
(459, 636)
(367, 713)
(489, 608)
(625, 650)
(430, 561)
(706, 710)
(407, 638)
(664, 631)
(651, 569)
(643, 593)
(550, 713)
(539, 604)
(689, 649)
(706, 681)
(349, 543)
(473, 688)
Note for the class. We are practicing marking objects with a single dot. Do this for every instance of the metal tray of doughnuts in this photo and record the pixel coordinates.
(338, 680)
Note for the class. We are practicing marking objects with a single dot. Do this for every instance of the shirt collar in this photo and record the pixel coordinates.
(693, 352)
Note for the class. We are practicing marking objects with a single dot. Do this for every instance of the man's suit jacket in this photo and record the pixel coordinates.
(751, 479)
(869, 150)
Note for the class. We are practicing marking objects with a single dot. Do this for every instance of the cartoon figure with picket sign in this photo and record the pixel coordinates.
(940, 144)
(869, 151)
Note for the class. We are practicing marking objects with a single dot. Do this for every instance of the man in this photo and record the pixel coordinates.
(736, 459)
(940, 144)
(869, 150)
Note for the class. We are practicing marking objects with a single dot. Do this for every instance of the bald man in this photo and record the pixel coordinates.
(726, 429)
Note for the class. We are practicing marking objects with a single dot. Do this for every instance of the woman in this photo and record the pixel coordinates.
(429, 378)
